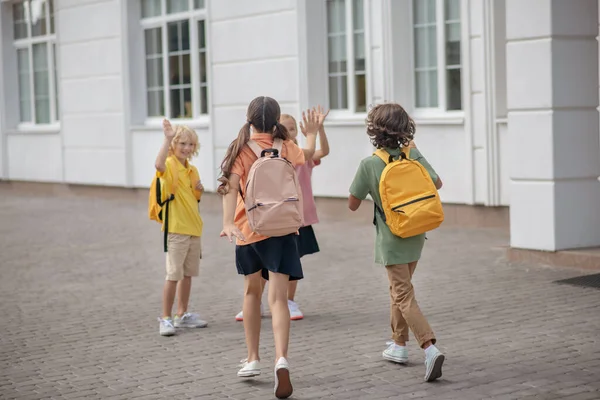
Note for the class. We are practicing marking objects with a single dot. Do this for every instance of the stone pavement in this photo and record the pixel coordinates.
(80, 291)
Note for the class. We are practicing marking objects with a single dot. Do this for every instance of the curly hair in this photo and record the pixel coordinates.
(389, 125)
(182, 131)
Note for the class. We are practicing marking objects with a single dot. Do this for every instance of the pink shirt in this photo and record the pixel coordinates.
(304, 177)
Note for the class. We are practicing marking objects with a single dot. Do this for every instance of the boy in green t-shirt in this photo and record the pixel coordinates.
(390, 127)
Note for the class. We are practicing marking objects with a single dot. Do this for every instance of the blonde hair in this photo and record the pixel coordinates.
(180, 132)
(288, 116)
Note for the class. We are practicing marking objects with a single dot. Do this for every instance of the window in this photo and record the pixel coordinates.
(437, 37)
(346, 55)
(34, 40)
(175, 51)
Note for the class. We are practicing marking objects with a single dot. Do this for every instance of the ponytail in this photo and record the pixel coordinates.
(280, 132)
(230, 156)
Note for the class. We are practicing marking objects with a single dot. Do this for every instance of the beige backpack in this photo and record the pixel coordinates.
(273, 197)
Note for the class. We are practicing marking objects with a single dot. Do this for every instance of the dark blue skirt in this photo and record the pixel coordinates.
(275, 254)
(307, 241)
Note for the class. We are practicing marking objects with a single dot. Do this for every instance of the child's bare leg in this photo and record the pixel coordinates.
(252, 293)
(169, 297)
(184, 288)
(292, 286)
(278, 289)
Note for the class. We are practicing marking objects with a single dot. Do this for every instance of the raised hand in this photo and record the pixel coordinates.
(321, 114)
(168, 129)
(310, 122)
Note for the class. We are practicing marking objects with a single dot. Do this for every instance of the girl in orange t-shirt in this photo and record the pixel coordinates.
(256, 256)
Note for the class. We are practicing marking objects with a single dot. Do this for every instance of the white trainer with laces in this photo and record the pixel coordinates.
(283, 385)
(165, 327)
(189, 320)
(295, 313)
(240, 315)
(249, 369)
(396, 353)
(433, 363)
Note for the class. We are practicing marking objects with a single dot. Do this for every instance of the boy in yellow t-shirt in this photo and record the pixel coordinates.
(184, 249)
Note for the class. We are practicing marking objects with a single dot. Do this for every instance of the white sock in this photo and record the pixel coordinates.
(430, 349)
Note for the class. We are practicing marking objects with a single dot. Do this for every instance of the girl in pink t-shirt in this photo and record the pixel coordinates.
(307, 241)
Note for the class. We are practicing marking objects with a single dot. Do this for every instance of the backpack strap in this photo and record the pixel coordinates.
(255, 148)
(174, 171)
(278, 145)
(406, 151)
(384, 155)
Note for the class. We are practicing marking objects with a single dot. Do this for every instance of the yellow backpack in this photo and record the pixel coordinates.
(160, 196)
(410, 203)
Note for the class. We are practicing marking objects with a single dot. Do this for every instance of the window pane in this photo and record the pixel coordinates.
(433, 88)
(51, 5)
(153, 41)
(154, 73)
(361, 93)
(24, 86)
(198, 3)
(42, 110)
(201, 35)
(338, 92)
(336, 16)
(358, 15)
(179, 69)
(41, 83)
(204, 100)
(452, 9)
(337, 54)
(453, 44)
(38, 18)
(179, 36)
(203, 77)
(426, 88)
(20, 18)
(359, 52)
(151, 8)
(181, 103)
(334, 102)
(453, 91)
(174, 6)
(425, 47)
(156, 103)
(56, 83)
(423, 11)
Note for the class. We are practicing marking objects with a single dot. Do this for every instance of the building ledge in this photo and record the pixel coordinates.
(580, 258)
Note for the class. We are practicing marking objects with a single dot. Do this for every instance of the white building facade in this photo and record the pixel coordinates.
(504, 92)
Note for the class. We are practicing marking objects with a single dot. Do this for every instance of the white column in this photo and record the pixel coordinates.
(552, 99)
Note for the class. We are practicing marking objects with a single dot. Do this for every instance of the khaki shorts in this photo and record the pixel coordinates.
(183, 256)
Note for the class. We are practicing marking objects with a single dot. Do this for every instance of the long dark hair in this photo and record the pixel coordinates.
(263, 114)
(389, 125)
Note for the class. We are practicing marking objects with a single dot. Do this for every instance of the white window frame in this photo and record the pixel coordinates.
(441, 110)
(28, 43)
(350, 113)
(193, 16)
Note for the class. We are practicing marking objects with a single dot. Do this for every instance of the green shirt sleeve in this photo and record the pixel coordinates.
(417, 156)
(360, 184)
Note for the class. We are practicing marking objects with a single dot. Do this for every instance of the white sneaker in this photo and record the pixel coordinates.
(240, 315)
(396, 353)
(189, 320)
(295, 313)
(249, 369)
(165, 327)
(283, 385)
(433, 363)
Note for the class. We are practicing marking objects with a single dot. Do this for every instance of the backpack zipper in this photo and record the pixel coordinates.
(431, 196)
(262, 204)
